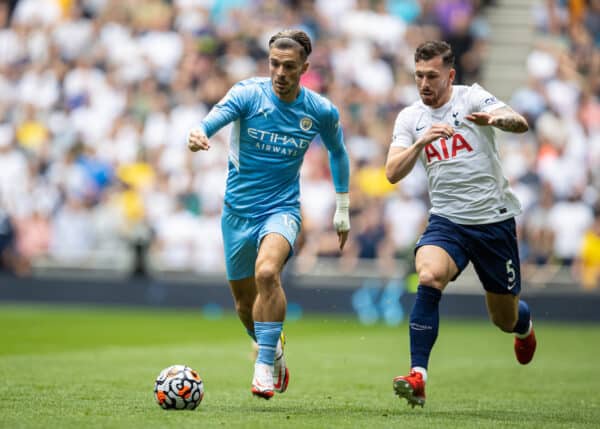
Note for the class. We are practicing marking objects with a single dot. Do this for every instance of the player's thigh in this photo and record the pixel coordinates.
(495, 256)
(441, 255)
(503, 309)
(435, 267)
(277, 237)
(239, 244)
(273, 252)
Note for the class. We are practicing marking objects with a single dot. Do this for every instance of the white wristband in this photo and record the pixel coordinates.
(342, 201)
(341, 218)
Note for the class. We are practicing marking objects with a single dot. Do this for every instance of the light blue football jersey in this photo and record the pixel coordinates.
(268, 142)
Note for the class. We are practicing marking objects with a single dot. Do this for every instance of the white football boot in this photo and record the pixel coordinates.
(262, 382)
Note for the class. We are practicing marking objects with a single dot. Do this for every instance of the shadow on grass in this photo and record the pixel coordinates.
(454, 418)
(512, 418)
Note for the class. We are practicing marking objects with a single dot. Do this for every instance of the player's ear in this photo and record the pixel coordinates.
(305, 67)
(451, 75)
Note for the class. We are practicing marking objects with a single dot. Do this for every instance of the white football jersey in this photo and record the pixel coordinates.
(466, 183)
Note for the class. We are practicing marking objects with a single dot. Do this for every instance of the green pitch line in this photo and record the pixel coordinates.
(95, 367)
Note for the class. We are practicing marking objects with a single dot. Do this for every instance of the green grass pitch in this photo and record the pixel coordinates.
(95, 367)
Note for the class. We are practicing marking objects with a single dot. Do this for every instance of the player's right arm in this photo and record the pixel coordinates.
(403, 153)
(197, 140)
(225, 111)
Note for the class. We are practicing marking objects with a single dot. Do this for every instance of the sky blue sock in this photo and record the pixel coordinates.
(424, 324)
(524, 317)
(267, 335)
(252, 335)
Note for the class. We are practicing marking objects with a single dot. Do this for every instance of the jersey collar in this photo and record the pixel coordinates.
(279, 101)
(444, 106)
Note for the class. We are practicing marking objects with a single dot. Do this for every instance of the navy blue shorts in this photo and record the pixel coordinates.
(492, 248)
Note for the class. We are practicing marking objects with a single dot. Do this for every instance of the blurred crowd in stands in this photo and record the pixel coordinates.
(98, 96)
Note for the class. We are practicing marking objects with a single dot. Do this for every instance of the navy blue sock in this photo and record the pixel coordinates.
(424, 324)
(267, 335)
(524, 318)
(252, 334)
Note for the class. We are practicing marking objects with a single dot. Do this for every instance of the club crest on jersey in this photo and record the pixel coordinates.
(306, 123)
(446, 150)
(455, 117)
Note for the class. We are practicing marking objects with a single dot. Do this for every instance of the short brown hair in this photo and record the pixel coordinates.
(434, 48)
(285, 40)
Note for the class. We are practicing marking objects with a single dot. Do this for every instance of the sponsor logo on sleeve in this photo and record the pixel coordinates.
(490, 100)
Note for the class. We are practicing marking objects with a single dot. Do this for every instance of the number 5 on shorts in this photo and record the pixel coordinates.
(510, 272)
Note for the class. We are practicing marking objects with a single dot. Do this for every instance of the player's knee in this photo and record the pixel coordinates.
(267, 275)
(429, 278)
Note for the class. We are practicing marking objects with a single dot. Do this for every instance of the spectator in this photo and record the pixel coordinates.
(72, 239)
(98, 96)
(33, 235)
(568, 221)
(538, 233)
(10, 259)
(588, 260)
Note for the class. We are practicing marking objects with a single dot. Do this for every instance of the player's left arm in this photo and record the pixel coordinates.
(503, 118)
(333, 138)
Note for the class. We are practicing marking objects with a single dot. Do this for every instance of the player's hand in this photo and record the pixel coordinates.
(481, 118)
(341, 218)
(197, 140)
(437, 131)
(342, 238)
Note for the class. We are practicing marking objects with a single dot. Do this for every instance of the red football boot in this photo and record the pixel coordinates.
(525, 347)
(411, 387)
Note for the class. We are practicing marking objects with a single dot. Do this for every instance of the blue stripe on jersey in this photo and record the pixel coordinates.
(270, 143)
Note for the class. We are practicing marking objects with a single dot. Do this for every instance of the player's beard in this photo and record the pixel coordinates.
(281, 87)
(428, 96)
(429, 99)
(433, 97)
(284, 88)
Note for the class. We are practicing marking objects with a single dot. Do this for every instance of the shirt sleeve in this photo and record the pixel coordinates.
(402, 136)
(482, 101)
(229, 109)
(333, 139)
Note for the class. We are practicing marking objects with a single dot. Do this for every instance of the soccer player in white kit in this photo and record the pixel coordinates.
(451, 131)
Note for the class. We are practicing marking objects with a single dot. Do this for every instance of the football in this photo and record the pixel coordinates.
(178, 387)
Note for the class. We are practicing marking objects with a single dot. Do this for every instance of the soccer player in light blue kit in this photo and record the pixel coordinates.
(275, 120)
